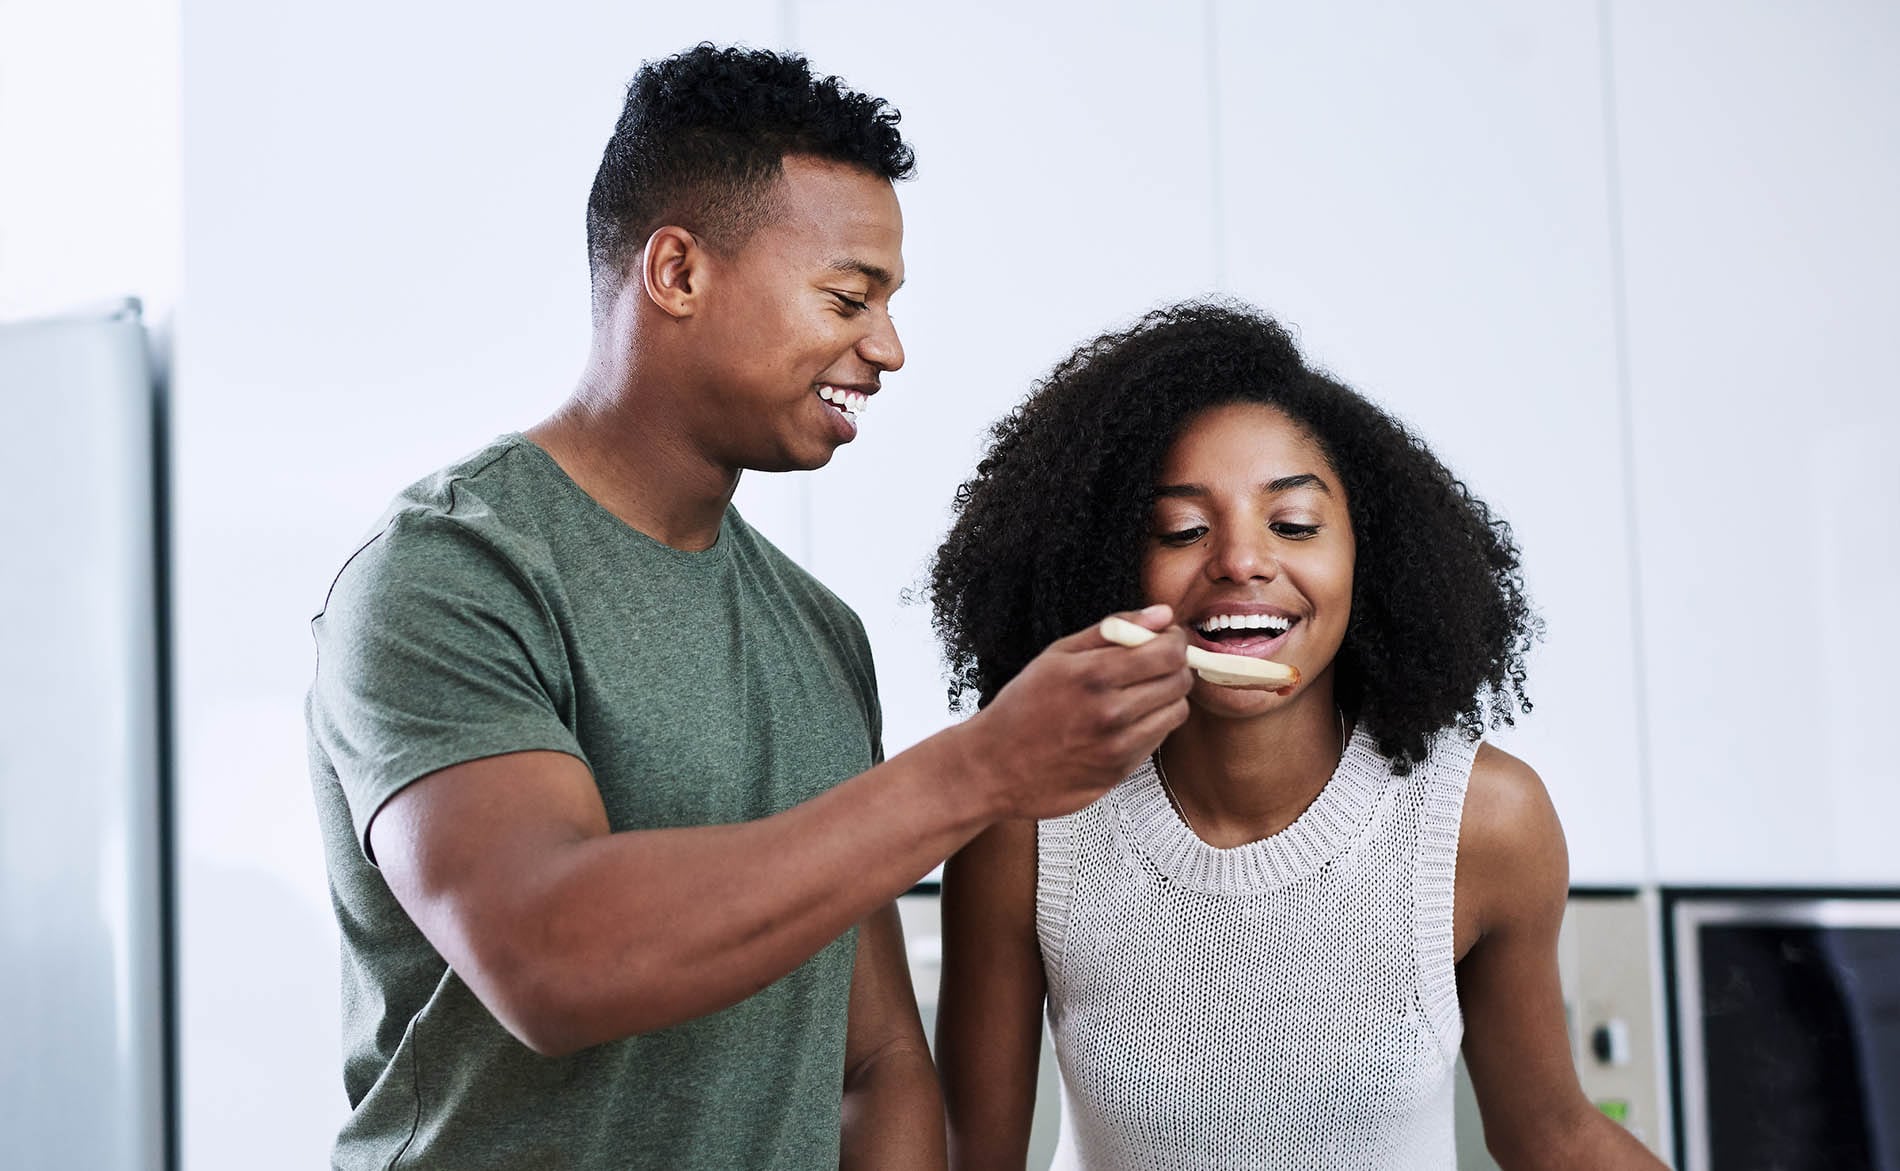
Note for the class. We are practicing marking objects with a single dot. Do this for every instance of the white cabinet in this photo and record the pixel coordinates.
(1760, 160)
(1422, 193)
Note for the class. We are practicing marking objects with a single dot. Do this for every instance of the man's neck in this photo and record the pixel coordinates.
(617, 439)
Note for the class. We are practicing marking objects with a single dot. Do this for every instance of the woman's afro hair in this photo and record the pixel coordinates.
(1050, 533)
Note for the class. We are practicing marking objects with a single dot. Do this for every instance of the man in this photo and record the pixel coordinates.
(611, 842)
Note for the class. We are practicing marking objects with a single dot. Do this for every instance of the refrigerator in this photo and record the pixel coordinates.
(84, 1024)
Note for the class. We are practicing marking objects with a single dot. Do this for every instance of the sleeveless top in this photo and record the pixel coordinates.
(1290, 1002)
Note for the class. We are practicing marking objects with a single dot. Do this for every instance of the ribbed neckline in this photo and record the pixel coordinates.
(711, 557)
(1327, 826)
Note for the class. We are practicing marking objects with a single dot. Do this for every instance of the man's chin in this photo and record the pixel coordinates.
(786, 461)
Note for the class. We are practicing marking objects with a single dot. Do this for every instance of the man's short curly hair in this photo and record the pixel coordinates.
(1049, 534)
(703, 137)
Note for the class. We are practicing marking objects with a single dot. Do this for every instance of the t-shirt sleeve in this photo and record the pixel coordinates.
(433, 649)
(867, 687)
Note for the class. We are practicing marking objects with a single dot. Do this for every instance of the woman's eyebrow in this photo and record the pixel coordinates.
(1273, 487)
(1178, 491)
(1303, 480)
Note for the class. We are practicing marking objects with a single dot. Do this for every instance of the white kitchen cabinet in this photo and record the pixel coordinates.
(1760, 162)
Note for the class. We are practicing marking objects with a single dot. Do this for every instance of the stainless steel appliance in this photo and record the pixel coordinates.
(83, 1078)
(1786, 1013)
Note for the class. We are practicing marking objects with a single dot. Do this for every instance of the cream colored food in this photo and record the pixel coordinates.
(1222, 670)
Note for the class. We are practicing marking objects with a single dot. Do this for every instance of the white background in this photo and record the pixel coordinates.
(1623, 265)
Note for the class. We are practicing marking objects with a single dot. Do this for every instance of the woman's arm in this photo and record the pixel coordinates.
(1515, 872)
(989, 1012)
(893, 1116)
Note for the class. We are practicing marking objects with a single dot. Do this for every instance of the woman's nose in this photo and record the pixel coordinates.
(1244, 557)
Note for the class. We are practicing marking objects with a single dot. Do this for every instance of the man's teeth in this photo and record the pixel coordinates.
(849, 401)
(1271, 622)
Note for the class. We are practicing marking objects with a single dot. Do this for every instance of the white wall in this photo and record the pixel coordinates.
(384, 268)
(89, 161)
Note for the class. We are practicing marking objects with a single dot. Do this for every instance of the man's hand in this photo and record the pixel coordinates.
(1080, 717)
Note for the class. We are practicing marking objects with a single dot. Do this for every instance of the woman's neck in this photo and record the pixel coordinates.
(1240, 780)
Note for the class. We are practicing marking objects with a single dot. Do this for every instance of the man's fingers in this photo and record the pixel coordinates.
(1122, 666)
(1154, 618)
(1140, 699)
(1147, 733)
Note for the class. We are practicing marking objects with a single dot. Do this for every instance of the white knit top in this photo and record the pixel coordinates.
(1289, 1003)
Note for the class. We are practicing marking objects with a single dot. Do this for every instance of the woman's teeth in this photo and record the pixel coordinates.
(849, 401)
(1220, 622)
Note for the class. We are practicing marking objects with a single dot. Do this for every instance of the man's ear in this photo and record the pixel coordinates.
(673, 271)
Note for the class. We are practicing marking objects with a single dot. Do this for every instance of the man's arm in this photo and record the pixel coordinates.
(893, 1112)
(1513, 863)
(573, 935)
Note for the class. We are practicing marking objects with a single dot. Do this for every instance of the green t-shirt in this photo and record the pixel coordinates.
(501, 609)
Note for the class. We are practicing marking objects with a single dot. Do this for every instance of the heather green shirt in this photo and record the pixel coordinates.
(497, 609)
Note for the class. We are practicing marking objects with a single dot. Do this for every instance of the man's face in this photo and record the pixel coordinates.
(796, 328)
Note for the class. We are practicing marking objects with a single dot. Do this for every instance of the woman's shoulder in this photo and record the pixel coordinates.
(1511, 852)
(1505, 795)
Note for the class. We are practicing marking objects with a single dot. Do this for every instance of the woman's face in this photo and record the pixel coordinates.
(1250, 542)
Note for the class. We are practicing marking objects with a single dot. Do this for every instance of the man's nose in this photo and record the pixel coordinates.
(882, 347)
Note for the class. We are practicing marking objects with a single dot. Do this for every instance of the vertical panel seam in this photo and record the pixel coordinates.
(1626, 411)
(1216, 213)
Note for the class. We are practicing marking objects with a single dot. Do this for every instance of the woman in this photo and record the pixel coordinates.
(1265, 947)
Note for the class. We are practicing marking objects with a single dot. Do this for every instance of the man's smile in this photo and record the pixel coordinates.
(847, 402)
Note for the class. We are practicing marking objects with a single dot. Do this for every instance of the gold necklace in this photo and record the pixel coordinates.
(1182, 809)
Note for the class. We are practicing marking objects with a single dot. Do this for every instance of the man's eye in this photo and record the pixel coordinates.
(1185, 536)
(851, 304)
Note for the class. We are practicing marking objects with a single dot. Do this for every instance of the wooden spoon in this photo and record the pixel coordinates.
(1222, 670)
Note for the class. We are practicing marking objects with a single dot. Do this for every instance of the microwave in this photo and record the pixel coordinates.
(1785, 1017)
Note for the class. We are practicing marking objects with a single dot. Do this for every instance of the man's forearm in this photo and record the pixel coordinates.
(644, 929)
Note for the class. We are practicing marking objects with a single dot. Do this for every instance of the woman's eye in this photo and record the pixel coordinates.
(1295, 531)
(1185, 536)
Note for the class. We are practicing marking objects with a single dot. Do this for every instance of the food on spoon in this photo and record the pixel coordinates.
(1222, 670)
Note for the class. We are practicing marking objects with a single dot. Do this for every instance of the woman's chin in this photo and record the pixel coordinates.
(1234, 703)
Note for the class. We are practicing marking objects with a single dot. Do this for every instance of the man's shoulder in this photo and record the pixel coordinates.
(477, 511)
(490, 487)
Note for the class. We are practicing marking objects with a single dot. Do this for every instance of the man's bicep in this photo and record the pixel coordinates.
(476, 854)
(453, 834)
